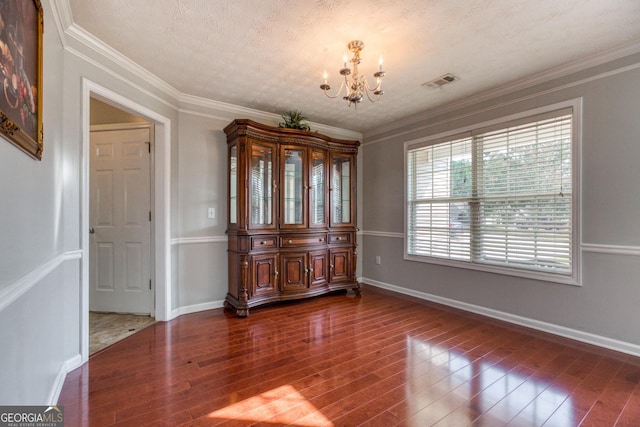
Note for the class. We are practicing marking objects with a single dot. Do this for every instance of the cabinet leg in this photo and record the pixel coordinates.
(242, 312)
(357, 290)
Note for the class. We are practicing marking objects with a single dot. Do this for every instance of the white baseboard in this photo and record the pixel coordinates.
(600, 341)
(196, 307)
(68, 366)
(76, 361)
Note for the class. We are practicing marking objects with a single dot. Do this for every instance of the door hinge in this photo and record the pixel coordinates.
(149, 146)
(149, 283)
(149, 216)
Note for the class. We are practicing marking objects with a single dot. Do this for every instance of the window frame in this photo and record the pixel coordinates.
(576, 173)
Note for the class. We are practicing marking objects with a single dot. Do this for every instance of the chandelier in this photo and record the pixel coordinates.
(355, 85)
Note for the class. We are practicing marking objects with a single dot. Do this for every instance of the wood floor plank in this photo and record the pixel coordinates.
(631, 412)
(376, 360)
(614, 396)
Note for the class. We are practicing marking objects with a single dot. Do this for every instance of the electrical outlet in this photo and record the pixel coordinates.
(377, 259)
(212, 213)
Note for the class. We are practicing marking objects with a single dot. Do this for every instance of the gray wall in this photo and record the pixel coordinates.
(103, 114)
(39, 317)
(201, 248)
(604, 309)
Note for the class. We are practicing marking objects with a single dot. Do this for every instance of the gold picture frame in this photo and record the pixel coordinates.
(21, 29)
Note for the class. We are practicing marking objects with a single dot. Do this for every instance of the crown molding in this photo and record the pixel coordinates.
(444, 119)
(336, 132)
(235, 111)
(62, 17)
(182, 101)
(62, 9)
(187, 102)
(69, 32)
(169, 103)
(564, 70)
(80, 35)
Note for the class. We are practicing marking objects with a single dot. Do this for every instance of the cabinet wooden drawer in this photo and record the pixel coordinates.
(302, 240)
(340, 238)
(264, 242)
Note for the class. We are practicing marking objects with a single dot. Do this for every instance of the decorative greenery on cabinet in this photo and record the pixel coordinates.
(293, 120)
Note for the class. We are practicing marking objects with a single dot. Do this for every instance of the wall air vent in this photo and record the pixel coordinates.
(445, 79)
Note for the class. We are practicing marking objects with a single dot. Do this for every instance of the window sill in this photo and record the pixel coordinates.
(526, 274)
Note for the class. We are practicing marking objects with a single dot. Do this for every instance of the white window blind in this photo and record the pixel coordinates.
(499, 196)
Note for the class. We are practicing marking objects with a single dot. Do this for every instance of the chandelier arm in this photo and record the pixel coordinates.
(326, 91)
(377, 97)
(373, 89)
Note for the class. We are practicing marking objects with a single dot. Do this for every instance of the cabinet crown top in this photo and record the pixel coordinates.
(241, 127)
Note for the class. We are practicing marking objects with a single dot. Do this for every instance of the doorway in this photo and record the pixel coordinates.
(160, 203)
(120, 218)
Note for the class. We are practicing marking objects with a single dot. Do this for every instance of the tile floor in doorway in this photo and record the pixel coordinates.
(108, 328)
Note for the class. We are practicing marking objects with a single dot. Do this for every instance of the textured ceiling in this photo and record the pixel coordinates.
(270, 55)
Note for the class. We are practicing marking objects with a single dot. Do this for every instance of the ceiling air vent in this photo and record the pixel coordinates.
(445, 79)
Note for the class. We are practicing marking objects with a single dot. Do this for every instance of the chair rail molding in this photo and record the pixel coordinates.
(198, 240)
(611, 249)
(382, 234)
(15, 290)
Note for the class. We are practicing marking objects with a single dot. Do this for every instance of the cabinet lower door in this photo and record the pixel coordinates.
(294, 272)
(340, 267)
(264, 275)
(318, 268)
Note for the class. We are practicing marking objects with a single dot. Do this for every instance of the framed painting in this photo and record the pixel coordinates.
(21, 28)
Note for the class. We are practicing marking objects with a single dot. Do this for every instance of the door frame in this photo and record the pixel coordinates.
(161, 203)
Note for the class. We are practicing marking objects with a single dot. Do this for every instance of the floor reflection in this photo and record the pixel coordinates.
(273, 407)
(444, 384)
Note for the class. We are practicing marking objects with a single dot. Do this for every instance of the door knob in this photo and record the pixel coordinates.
(92, 230)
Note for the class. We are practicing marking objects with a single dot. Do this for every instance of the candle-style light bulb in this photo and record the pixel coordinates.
(344, 59)
(325, 76)
(380, 63)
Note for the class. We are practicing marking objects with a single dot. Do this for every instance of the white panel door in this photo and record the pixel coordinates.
(120, 223)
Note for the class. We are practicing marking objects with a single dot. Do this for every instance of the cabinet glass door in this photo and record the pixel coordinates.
(233, 184)
(292, 187)
(261, 186)
(341, 190)
(317, 185)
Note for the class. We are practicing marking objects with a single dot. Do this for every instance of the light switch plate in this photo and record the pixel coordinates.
(212, 213)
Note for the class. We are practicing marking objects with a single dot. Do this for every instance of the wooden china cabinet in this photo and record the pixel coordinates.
(291, 214)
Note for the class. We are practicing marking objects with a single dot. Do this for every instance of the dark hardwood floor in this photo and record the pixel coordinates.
(374, 360)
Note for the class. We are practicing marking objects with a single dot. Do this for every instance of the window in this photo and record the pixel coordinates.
(497, 197)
